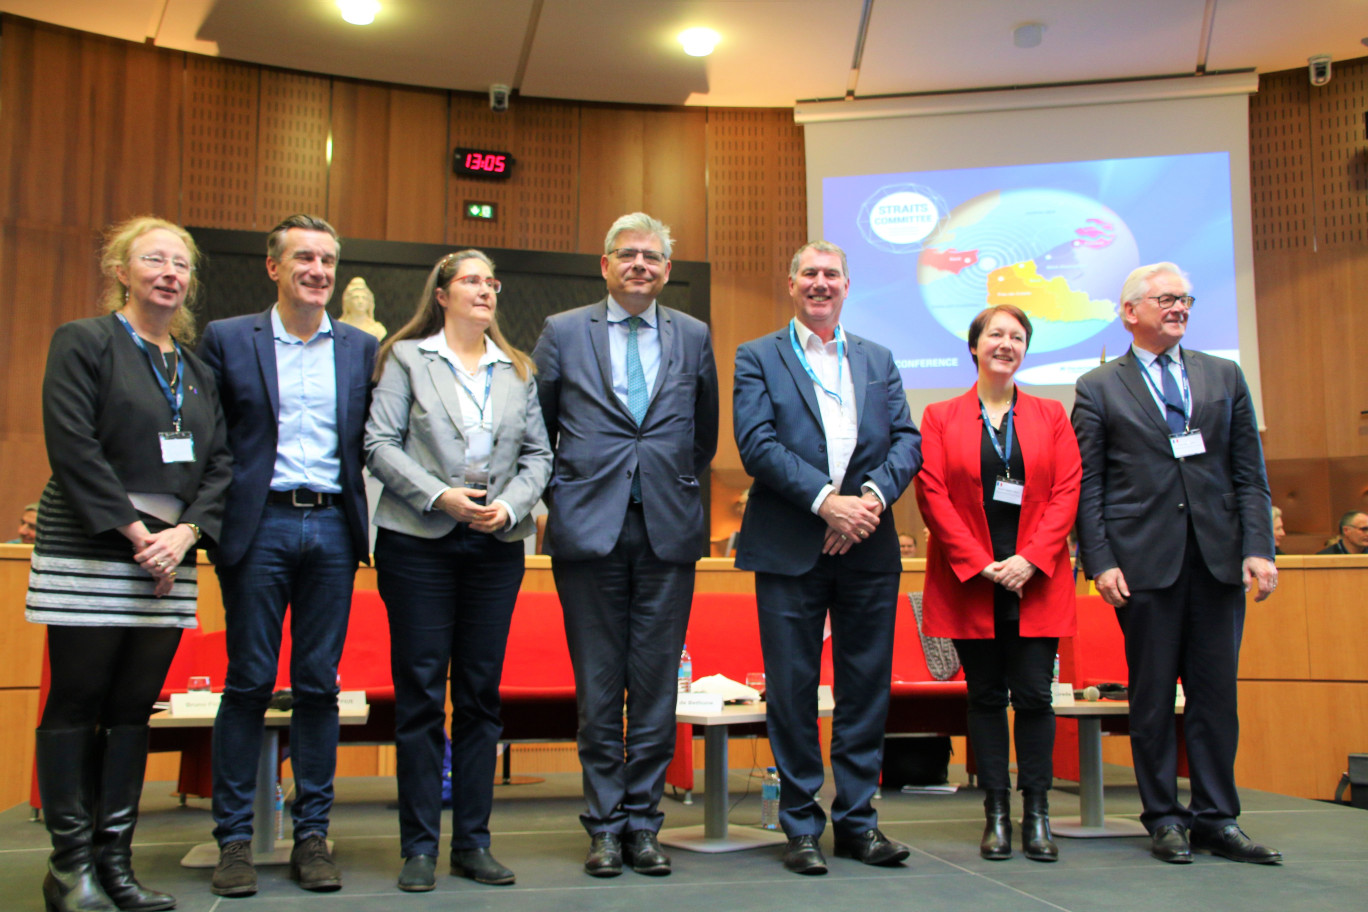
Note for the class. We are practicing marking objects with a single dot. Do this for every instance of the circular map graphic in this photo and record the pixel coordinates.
(1059, 256)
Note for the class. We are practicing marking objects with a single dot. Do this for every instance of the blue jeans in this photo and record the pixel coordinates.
(301, 558)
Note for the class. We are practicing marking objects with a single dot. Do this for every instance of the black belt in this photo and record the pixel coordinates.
(302, 498)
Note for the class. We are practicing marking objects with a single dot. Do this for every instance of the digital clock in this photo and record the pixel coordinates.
(482, 163)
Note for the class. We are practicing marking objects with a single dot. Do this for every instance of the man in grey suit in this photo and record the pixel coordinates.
(628, 389)
(1174, 523)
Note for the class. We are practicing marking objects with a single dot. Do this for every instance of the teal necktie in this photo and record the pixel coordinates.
(637, 397)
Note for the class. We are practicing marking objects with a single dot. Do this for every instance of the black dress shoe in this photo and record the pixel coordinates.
(1231, 842)
(641, 850)
(872, 848)
(1169, 843)
(804, 856)
(419, 874)
(479, 866)
(605, 856)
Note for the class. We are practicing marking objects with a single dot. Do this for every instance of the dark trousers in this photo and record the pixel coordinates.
(301, 559)
(1019, 669)
(625, 618)
(106, 676)
(1191, 630)
(792, 611)
(450, 603)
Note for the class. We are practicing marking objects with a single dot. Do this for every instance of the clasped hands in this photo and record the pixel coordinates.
(457, 503)
(159, 553)
(849, 520)
(1011, 574)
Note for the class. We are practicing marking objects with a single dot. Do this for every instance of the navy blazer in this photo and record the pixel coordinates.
(241, 353)
(779, 432)
(598, 445)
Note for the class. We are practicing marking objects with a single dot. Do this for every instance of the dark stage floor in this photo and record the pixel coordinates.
(537, 833)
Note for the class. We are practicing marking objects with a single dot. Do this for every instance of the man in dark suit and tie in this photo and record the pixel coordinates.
(1174, 524)
(823, 427)
(295, 388)
(628, 389)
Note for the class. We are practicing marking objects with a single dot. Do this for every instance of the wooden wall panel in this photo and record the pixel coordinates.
(1341, 173)
(1280, 167)
(1336, 622)
(18, 719)
(358, 175)
(416, 205)
(674, 177)
(1291, 355)
(612, 154)
(1276, 644)
(292, 144)
(221, 123)
(1295, 736)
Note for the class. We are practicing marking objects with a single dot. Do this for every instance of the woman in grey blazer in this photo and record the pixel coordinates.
(457, 438)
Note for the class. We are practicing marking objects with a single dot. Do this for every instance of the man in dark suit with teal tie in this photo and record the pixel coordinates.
(628, 389)
(1175, 526)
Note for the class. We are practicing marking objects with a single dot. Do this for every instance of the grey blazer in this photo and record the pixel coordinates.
(416, 447)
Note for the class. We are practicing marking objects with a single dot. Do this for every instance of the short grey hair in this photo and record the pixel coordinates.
(639, 223)
(1137, 283)
(820, 247)
(275, 241)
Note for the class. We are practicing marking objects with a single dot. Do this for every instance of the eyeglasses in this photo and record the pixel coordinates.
(1167, 301)
(1359, 528)
(475, 281)
(157, 261)
(629, 254)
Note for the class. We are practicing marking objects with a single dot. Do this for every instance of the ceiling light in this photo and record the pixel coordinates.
(699, 42)
(1028, 35)
(359, 12)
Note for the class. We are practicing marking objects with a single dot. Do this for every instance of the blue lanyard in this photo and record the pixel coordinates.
(1004, 449)
(174, 395)
(812, 375)
(489, 379)
(1186, 391)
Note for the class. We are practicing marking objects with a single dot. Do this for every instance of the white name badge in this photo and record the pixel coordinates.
(1189, 444)
(197, 703)
(1008, 490)
(698, 702)
(177, 447)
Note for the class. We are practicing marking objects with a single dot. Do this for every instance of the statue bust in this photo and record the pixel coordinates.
(358, 308)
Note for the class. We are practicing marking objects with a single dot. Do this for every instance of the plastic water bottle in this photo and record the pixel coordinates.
(1055, 679)
(279, 812)
(685, 670)
(769, 800)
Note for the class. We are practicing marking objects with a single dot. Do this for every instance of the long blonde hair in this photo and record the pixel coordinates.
(119, 240)
(429, 316)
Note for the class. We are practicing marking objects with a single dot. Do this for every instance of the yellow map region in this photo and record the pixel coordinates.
(1044, 299)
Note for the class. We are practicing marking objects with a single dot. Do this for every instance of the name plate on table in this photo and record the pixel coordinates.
(692, 702)
(353, 699)
(1061, 695)
(196, 703)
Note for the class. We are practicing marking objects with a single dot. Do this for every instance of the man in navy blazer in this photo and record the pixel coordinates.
(1175, 524)
(628, 389)
(294, 386)
(823, 427)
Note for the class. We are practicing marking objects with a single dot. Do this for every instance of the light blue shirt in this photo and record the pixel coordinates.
(648, 345)
(306, 434)
(1156, 374)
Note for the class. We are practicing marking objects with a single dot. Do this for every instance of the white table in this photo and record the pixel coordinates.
(1092, 822)
(264, 850)
(713, 835)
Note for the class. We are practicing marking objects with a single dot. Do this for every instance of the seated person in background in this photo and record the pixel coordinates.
(28, 526)
(1279, 533)
(907, 545)
(1353, 535)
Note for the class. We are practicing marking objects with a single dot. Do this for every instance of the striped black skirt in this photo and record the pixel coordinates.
(79, 581)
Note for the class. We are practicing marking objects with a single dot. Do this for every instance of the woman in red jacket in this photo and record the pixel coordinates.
(999, 490)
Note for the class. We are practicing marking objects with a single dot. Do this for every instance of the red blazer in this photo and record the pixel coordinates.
(957, 602)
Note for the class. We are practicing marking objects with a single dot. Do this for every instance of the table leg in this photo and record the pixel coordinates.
(715, 797)
(1093, 821)
(263, 806)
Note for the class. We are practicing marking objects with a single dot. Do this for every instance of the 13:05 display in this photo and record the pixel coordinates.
(482, 163)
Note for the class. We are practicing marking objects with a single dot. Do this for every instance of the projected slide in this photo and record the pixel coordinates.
(929, 250)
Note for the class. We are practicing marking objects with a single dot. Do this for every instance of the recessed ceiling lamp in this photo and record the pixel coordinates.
(699, 42)
(359, 12)
(1028, 35)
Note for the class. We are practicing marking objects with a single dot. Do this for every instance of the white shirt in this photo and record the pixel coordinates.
(1149, 364)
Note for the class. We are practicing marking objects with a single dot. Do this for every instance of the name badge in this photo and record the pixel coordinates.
(1189, 444)
(1008, 490)
(177, 446)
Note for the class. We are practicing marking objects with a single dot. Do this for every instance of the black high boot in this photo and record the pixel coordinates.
(1036, 840)
(996, 844)
(65, 759)
(121, 784)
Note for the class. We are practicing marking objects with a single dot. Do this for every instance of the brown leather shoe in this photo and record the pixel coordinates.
(234, 874)
(312, 865)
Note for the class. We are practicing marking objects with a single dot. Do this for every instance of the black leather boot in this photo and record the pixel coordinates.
(996, 844)
(121, 784)
(66, 759)
(1036, 840)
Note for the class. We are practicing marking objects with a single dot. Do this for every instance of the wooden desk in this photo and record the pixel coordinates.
(264, 850)
(712, 835)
